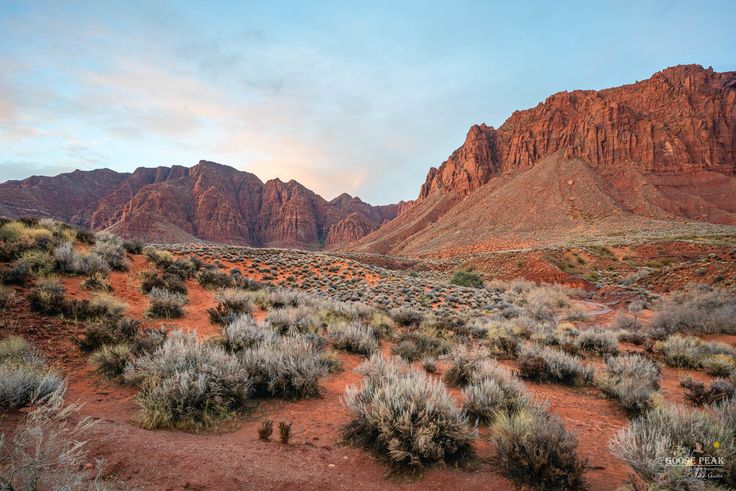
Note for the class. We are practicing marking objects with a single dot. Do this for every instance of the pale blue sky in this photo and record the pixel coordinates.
(361, 97)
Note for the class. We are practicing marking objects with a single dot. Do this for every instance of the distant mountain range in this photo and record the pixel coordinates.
(208, 201)
(615, 161)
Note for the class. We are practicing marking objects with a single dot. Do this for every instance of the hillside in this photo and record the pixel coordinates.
(657, 154)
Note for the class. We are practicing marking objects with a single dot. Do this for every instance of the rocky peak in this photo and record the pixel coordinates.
(681, 120)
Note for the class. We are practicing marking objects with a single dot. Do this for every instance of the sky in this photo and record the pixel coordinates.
(349, 96)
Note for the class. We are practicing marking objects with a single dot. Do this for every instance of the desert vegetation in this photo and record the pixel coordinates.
(210, 339)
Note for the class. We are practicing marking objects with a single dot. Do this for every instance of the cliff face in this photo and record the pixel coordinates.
(682, 120)
(208, 201)
(648, 154)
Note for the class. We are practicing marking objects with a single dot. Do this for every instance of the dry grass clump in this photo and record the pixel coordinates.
(465, 362)
(288, 367)
(48, 450)
(7, 297)
(700, 309)
(165, 303)
(24, 377)
(406, 416)
(493, 390)
(188, 384)
(47, 297)
(597, 340)
(699, 393)
(721, 365)
(294, 320)
(111, 248)
(631, 379)
(354, 338)
(551, 365)
(674, 434)
(689, 351)
(533, 448)
(231, 303)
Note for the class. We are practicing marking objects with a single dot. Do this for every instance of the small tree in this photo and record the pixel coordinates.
(467, 278)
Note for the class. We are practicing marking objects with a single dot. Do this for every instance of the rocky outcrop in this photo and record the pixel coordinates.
(681, 120)
(208, 201)
(652, 155)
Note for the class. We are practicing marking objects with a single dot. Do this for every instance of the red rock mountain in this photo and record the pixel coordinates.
(208, 201)
(581, 162)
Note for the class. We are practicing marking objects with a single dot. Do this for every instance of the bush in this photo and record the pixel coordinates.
(215, 278)
(548, 364)
(597, 340)
(112, 359)
(406, 416)
(688, 351)
(699, 394)
(493, 390)
(24, 378)
(244, 332)
(47, 451)
(632, 379)
(165, 303)
(465, 363)
(354, 338)
(294, 321)
(166, 281)
(698, 309)
(533, 447)
(719, 365)
(467, 278)
(406, 317)
(188, 384)
(110, 248)
(96, 282)
(47, 298)
(632, 337)
(232, 303)
(288, 367)
(672, 432)
(413, 345)
(133, 246)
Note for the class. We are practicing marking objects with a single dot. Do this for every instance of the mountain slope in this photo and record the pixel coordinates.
(208, 201)
(648, 154)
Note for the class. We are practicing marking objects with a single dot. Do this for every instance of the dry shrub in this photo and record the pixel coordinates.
(406, 416)
(533, 448)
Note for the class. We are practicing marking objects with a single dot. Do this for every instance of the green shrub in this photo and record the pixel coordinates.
(406, 416)
(467, 278)
(688, 351)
